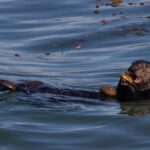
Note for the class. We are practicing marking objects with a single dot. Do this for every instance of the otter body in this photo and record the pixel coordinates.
(133, 85)
(38, 86)
(30, 87)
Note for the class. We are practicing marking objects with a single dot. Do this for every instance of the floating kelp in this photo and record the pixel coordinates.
(138, 30)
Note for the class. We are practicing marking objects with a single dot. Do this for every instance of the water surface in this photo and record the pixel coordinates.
(75, 44)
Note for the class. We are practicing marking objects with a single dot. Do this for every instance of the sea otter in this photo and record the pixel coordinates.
(133, 85)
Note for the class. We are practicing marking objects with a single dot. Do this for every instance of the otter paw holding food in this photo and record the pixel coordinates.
(108, 91)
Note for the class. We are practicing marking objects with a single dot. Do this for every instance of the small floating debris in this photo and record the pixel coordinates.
(47, 53)
(17, 55)
(97, 6)
(78, 45)
(135, 30)
(120, 13)
(97, 10)
(116, 2)
(131, 3)
(141, 3)
(104, 22)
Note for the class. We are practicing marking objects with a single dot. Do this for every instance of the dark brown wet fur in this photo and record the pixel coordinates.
(141, 69)
(125, 91)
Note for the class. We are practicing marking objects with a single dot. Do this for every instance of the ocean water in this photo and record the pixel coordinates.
(74, 44)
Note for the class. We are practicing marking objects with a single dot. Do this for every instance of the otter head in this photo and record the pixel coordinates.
(140, 73)
(135, 81)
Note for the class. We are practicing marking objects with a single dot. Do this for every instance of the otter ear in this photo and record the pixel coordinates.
(137, 80)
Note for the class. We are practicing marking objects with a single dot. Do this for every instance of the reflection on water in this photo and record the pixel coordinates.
(75, 44)
(136, 108)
